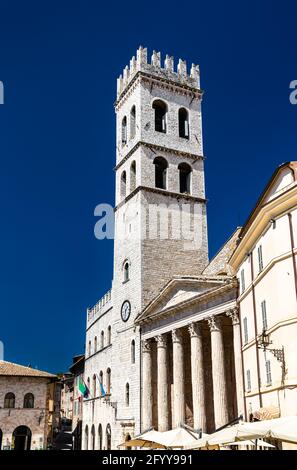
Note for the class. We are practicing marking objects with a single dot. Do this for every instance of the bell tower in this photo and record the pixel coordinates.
(159, 164)
(160, 213)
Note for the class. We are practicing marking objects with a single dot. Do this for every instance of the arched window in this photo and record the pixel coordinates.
(93, 437)
(127, 395)
(90, 347)
(88, 384)
(102, 340)
(184, 178)
(132, 122)
(124, 130)
(100, 437)
(86, 437)
(94, 386)
(126, 271)
(160, 172)
(160, 115)
(95, 344)
(183, 123)
(108, 437)
(108, 380)
(101, 381)
(132, 176)
(133, 351)
(123, 184)
(9, 400)
(29, 400)
(109, 335)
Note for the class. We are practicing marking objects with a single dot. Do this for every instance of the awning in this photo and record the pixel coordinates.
(269, 412)
(284, 429)
(175, 438)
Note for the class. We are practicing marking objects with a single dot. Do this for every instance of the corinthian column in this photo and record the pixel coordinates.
(163, 424)
(197, 373)
(178, 379)
(233, 314)
(218, 372)
(147, 392)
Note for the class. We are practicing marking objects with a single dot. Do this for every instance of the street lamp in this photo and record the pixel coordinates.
(263, 343)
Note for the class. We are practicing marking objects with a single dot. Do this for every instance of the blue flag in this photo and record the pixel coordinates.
(103, 393)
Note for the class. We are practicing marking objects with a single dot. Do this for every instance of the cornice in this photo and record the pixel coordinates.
(164, 192)
(159, 148)
(272, 209)
(160, 82)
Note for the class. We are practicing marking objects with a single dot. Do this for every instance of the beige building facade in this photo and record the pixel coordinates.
(27, 409)
(265, 265)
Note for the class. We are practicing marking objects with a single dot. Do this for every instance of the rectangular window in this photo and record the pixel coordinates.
(260, 258)
(245, 330)
(248, 381)
(264, 315)
(242, 281)
(268, 373)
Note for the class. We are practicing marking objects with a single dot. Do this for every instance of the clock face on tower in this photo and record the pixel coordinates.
(126, 310)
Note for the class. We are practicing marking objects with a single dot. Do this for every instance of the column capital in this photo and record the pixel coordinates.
(195, 329)
(214, 323)
(146, 346)
(161, 341)
(233, 314)
(177, 335)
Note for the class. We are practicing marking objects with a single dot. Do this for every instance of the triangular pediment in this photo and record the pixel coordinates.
(179, 291)
(282, 181)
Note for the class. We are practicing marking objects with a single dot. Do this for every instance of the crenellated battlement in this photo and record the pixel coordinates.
(154, 68)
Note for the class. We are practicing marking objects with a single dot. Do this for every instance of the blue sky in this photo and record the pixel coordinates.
(59, 61)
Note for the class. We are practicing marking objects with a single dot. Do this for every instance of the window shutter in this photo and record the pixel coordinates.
(264, 314)
(242, 280)
(260, 258)
(248, 380)
(245, 328)
(268, 373)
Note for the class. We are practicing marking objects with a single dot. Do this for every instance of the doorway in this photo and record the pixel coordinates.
(22, 438)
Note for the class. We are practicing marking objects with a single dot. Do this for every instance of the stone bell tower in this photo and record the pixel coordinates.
(160, 213)
(159, 162)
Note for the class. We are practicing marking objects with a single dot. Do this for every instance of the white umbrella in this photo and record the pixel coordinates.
(220, 437)
(256, 442)
(148, 439)
(175, 438)
(284, 429)
(178, 437)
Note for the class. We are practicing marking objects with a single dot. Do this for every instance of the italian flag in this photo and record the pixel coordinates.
(83, 388)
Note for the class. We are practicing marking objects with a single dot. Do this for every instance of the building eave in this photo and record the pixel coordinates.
(272, 209)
